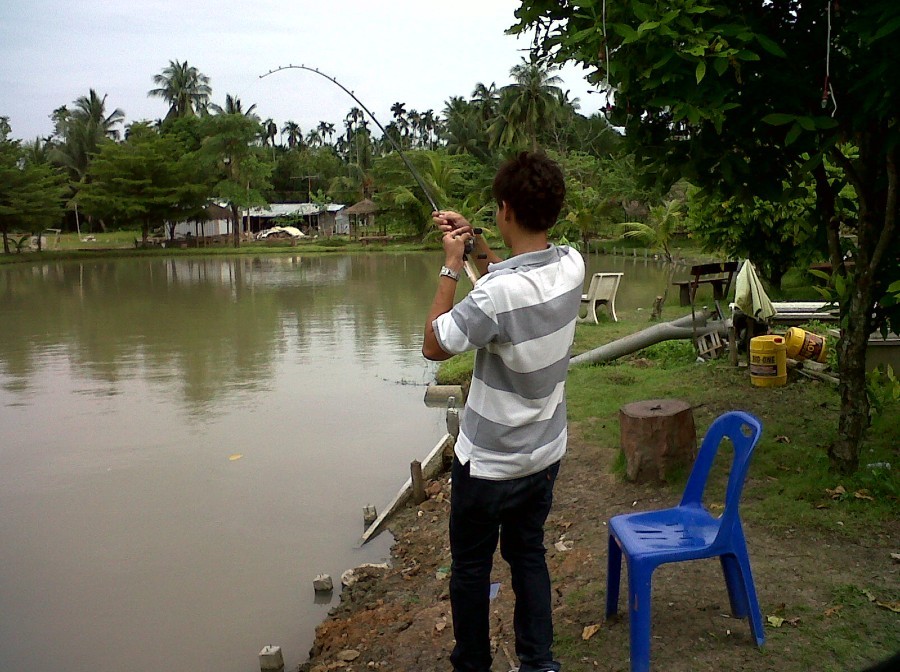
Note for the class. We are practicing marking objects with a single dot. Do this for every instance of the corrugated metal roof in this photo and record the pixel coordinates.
(293, 209)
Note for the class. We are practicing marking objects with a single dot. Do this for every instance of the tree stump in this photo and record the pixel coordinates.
(657, 435)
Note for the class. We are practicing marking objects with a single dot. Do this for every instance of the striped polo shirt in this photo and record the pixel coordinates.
(520, 318)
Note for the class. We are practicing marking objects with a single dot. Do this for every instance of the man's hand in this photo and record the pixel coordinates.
(454, 244)
(448, 220)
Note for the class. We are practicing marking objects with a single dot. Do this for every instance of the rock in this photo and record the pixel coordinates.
(323, 583)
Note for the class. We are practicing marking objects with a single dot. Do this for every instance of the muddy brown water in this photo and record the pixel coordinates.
(185, 443)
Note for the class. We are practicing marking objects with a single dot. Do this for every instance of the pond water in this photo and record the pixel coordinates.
(185, 443)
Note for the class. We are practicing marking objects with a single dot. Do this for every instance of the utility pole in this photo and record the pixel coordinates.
(309, 179)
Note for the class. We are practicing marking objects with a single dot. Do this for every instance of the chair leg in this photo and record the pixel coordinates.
(755, 615)
(639, 579)
(734, 582)
(613, 577)
(593, 314)
(612, 309)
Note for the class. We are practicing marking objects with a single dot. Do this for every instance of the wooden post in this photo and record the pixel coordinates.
(656, 436)
(418, 482)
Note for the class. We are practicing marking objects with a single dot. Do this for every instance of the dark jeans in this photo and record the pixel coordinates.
(513, 512)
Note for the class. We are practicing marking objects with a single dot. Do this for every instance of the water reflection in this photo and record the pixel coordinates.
(126, 386)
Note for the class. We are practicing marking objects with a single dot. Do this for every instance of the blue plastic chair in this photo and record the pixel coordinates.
(688, 532)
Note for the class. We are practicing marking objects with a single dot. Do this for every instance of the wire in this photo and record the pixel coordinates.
(827, 89)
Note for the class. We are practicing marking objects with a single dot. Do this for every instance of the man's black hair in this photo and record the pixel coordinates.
(533, 186)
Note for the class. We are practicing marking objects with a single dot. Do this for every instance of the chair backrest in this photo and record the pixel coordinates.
(603, 285)
(744, 431)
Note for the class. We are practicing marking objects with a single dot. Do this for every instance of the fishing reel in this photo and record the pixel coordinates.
(470, 244)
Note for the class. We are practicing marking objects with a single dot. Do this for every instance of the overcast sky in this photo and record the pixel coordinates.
(418, 52)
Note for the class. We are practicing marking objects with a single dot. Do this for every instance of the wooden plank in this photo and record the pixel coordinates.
(430, 468)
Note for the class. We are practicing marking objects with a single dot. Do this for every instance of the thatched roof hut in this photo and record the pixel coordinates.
(363, 214)
(364, 207)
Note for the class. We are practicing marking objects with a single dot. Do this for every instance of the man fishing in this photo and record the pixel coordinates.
(520, 319)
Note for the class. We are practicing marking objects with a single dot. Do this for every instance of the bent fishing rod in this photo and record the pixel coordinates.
(471, 271)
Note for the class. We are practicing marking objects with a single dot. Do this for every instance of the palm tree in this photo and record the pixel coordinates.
(662, 223)
(183, 87)
(82, 130)
(486, 100)
(326, 130)
(528, 106)
(91, 110)
(398, 110)
(233, 105)
(293, 132)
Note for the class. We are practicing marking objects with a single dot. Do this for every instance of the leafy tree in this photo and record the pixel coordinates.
(148, 180)
(775, 235)
(744, 96)
(593, 197)
(241, 168)
(183, 87)
(31, 194)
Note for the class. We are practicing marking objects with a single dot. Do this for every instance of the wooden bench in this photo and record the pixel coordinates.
(601, 291)
(718, 275)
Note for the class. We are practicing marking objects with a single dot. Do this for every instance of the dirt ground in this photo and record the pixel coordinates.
(399, 618)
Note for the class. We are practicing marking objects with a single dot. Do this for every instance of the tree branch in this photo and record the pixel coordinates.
(890, 210)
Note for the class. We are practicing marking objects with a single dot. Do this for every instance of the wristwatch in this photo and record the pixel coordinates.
(450, 273)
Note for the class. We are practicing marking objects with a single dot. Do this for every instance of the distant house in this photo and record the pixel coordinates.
(216, 223)
(361, 217)
(309, 217)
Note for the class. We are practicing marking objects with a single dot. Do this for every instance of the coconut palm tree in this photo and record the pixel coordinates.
(233, 105)
(82, 129)
(529, 105)
(486, 100)
(91, 110)
(312, 139)
(183, 87)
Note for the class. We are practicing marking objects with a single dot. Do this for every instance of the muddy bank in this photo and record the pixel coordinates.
(398, 618)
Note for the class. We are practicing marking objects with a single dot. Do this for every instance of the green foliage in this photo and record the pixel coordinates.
(774, 235)
(31, 194)
(662, 223)
(147, 180)
(729, 94)
(241, 167)
(670, 354)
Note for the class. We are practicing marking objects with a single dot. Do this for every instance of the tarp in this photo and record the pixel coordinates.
(292, 231)
(749, 295)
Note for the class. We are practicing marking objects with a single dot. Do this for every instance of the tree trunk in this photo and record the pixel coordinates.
(854, 418)
(235, 226)
(5, 242)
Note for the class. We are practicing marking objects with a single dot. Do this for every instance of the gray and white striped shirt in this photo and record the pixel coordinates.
(520, 318)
